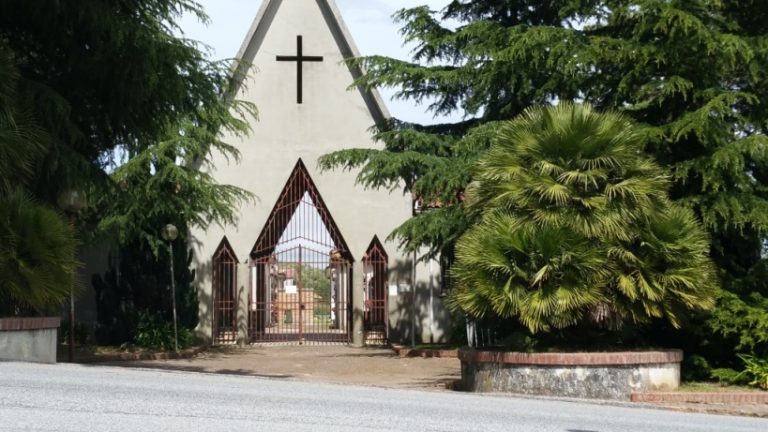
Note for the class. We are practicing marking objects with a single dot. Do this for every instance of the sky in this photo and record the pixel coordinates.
(369, 21)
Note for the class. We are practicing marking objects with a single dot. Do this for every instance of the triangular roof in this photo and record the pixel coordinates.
(341, 35)
(299, 183)
(224, 246)
(376, 247)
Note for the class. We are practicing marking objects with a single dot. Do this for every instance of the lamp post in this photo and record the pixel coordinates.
(169, 234)
(72, 201)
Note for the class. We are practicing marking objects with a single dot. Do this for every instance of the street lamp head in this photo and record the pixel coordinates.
(71, 200)
(169, 232)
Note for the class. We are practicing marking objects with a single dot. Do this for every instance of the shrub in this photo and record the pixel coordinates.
(728, 376)
(756, 369)
(743, 318)
(82, 332)
(153, 332)
(575, 225)
(696, 368)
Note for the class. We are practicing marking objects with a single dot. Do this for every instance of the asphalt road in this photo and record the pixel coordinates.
(96, 398)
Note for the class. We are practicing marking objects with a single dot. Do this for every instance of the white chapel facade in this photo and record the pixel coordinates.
(308, 260)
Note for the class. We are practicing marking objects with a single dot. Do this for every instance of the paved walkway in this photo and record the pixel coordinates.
(324, 363)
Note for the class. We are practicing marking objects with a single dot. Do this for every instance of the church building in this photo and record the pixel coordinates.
(309, 261)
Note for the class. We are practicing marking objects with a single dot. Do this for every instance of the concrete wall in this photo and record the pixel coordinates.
(584, 375)
(28, 339)
(431, 321)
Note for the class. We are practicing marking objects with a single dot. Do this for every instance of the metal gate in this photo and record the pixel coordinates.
(224, 294)
(375, 265)
(301, 271)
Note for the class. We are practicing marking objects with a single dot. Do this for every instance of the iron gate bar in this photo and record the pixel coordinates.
(288, 312)
(301, 305)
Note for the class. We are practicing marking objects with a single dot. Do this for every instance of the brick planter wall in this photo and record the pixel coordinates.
(29, 339)
(614, 375)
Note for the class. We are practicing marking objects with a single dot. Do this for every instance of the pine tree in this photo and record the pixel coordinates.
(454, 71)
(106, 75)
(106, 96)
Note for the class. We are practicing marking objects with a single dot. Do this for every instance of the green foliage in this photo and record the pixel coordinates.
(82, 332)
(37, 256)
(164, 182)
(116, 315)
(728, 376)
(162, 176)
(432, 165)
(696, 368)
(756, 369)
(90, 88)
(22, 139)
(140, 282)
(745, 319)
(574, 225)
(154, 332)
(482, 68)
(694, 72)
(107, 74)
(315, 279)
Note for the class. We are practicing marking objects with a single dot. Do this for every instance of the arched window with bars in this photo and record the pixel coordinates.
(375, 268)
(224, 294)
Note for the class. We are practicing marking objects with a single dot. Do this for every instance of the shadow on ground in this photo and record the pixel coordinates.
(329, 364)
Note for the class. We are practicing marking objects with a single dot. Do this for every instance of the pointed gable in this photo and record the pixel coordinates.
(298, 185)
(376, 251)
(225, 252)
(330, 12)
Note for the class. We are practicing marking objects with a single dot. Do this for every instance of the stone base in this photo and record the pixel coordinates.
(29, 339)
(579, 375)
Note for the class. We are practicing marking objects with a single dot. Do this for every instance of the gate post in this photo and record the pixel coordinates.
(357, 304)
(243, 292)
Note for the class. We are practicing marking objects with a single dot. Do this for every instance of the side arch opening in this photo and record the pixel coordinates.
(224, 294)
(375, 277)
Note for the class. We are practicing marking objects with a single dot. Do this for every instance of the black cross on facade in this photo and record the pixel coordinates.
(299, 58)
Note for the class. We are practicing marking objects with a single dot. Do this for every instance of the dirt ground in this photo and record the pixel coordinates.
(323, 363)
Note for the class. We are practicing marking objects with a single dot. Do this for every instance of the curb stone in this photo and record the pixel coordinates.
(755, 397)
(136, 356)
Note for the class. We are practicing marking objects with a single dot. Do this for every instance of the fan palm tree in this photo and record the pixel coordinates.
(37, 256)
(572, 167)
(575, 223)
(664, 272)
(21, 138)
(37, 246)
(509, 268)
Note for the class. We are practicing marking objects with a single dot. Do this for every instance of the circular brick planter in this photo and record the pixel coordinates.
(599, 375)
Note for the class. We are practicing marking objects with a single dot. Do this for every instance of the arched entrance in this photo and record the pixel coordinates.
(301, 270)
